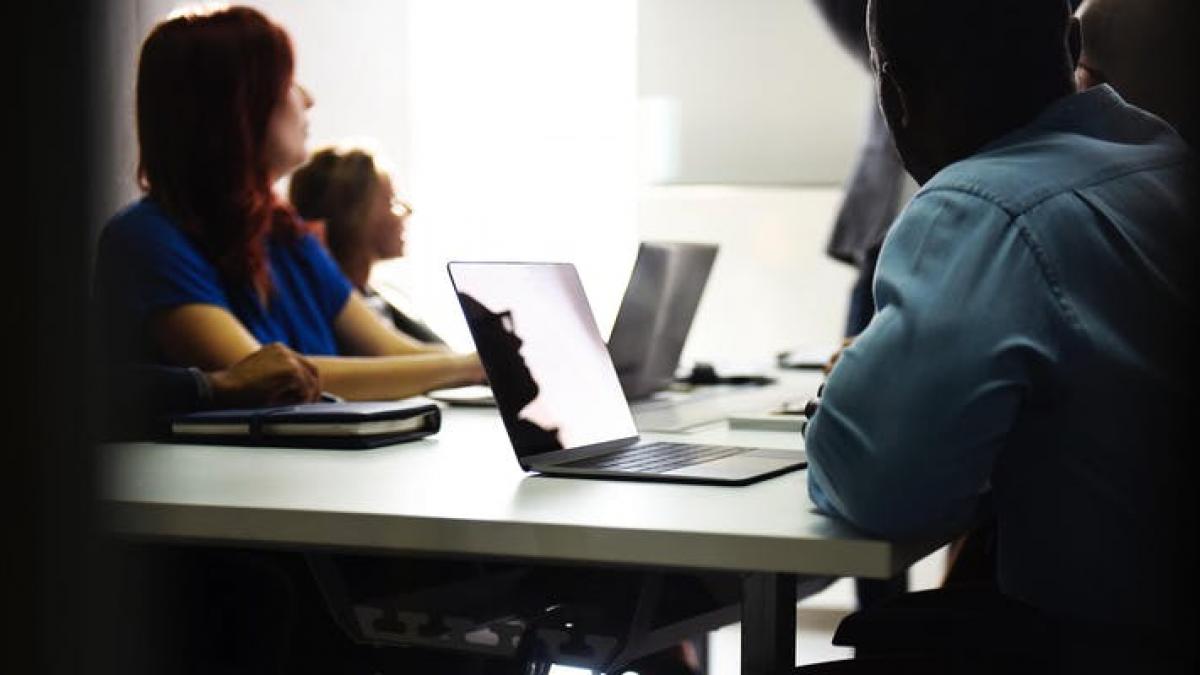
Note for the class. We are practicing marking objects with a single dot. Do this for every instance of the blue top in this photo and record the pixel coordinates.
(1030, 329)
(147, 264)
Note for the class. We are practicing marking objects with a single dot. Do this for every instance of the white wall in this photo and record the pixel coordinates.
(118, 39)
(523, 121)
(772, 286)
(751, 92)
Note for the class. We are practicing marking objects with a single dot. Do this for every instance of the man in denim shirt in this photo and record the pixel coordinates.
(1034, 319)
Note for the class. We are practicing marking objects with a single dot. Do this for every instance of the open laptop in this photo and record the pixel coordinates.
(557, 390)
(656, 314)
(652, 322)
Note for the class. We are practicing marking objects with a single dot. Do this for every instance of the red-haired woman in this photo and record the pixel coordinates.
(210, 264)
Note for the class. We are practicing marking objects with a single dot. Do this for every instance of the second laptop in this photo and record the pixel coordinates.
(557, 390)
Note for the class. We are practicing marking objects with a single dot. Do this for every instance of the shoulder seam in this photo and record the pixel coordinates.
(1049, 276)
(1092, 181)
(1030, 240)
(973, 191)
(1104, 178)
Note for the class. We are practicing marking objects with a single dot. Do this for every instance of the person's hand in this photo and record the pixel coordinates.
(837, 355)
(472, 369)
(273, 375)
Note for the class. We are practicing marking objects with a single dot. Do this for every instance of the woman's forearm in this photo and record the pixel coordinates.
(392, 377)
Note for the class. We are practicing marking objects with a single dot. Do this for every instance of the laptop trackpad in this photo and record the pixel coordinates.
(744, 465)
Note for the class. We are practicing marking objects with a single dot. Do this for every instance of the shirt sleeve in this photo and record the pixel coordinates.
(330, 285)
(138, 395)
(155, 266)
(917, 408)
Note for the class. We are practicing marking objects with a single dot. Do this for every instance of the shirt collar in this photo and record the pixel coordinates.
(1098, 112)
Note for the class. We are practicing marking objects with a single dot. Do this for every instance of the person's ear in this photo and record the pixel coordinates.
(892, 99)
(1074, 41)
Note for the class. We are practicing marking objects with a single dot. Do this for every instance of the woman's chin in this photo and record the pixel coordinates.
(394, 251)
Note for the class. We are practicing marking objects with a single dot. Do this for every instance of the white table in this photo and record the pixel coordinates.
(461, 492)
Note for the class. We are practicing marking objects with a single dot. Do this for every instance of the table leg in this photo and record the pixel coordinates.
(768, 624)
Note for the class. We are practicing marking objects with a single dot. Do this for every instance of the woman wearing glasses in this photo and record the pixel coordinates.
(348, 190)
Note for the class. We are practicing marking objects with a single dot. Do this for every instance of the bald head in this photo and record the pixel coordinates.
(954, 75)
(1143, 48)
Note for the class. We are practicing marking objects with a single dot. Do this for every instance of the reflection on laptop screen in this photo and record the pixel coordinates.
(554, 381)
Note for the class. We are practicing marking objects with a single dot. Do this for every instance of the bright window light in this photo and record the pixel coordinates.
(523, 120)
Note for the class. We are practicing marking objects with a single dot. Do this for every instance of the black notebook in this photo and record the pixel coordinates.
(343, 425)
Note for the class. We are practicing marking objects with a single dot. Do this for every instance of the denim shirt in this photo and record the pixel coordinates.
(1032, 319)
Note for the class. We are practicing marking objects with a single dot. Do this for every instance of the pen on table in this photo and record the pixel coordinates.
(327, 397)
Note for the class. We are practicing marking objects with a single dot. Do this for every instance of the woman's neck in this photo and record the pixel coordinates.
(358, 270)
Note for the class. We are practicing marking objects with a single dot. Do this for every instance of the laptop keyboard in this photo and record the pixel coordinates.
(656, 457)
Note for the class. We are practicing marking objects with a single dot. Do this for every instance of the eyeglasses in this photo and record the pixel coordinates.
(506, 320)
(401, 207)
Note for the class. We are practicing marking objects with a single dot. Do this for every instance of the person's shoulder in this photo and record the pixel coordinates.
(140, 215)
(301, 247)
(308, 244)
(143, 229)
(958, 196)
(1081, 141)
(142, 220)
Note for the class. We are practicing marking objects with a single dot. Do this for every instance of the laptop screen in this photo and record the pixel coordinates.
(656, 313)
(550, 371)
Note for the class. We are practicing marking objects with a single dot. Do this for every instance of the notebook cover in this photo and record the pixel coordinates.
(317, 414)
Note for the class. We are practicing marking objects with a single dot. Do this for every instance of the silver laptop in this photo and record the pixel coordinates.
(558, 393)
(652, 322)
(656, 314)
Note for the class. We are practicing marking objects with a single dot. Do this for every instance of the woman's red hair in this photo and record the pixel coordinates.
(207, 85)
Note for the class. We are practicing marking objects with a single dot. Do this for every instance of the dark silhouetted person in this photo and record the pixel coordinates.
(871, 202)
(874, 189)
(1043, 271)
(501, 347)
(140, 395)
